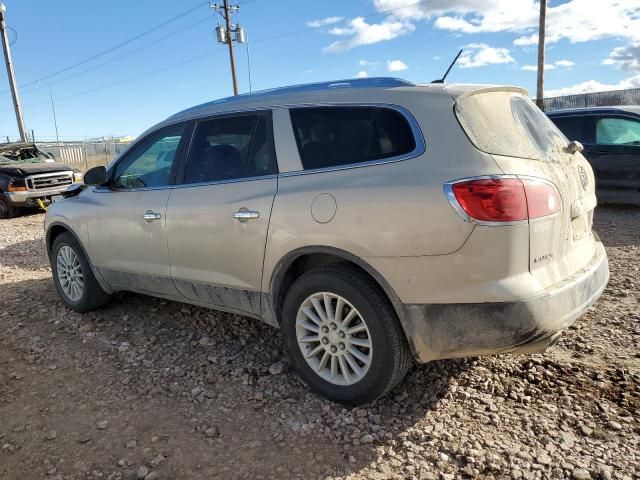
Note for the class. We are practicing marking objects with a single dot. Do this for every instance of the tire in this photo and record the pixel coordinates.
(91, 295)
(6, 209)
(388, 355)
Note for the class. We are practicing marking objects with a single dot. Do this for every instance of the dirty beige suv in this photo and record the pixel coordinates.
(373, 221)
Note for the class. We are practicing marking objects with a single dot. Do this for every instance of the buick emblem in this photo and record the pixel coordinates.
(584, 178)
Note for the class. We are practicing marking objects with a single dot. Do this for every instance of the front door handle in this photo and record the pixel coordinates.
(150, 216)
(245, 215)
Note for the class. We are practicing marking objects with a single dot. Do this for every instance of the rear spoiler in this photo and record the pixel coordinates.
(471, 93)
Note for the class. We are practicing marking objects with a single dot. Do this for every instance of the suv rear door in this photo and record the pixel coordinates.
(614, 153)
(218, 215)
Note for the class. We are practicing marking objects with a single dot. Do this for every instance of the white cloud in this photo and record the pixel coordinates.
(534, 68)
(362, 74)
(396, 65)
(627, 57)
(595, 86)
(363, 33)
(480, 54)
(574, 20)
(368, 63)
(324, 22)
(564, 63)
(550, 66)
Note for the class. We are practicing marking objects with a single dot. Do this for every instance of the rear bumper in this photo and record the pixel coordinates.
(438, 331)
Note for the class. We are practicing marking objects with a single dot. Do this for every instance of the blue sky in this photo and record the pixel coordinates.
(592, 45)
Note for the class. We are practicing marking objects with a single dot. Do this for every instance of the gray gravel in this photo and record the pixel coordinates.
(158, 390)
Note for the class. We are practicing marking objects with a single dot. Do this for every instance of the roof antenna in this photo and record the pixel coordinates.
(449, 69)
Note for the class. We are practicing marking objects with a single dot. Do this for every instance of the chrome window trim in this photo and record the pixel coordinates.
(185, 185)
(418, 137)
(223, 182)
(453, 201)
(102, 189)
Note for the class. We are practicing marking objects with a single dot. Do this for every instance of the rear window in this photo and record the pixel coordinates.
(505, 123)
(336, 136)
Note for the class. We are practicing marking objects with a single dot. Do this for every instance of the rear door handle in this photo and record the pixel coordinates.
(245, 215)
(150, 216)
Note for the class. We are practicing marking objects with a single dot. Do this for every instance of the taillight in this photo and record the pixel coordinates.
(503, 199)
(542, 198)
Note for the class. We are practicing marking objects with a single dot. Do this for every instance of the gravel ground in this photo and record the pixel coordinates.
(158, 390)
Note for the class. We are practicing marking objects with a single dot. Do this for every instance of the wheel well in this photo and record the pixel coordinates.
(53, 233)
(308, 261)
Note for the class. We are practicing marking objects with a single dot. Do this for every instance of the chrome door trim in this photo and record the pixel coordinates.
(419, 139)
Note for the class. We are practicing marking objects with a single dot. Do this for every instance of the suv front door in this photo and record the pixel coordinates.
(217, 219)
(615, 157)
(127, 230)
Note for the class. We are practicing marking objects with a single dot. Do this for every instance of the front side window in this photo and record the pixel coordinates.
(336, 136)
(150, 162)
(228, 148)
(617, 131)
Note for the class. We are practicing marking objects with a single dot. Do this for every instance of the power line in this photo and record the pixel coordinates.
(136, 77)
(192, 59)
(131, 52)
(119, 45)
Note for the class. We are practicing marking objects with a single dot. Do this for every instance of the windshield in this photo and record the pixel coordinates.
(23, 153)
(509, 124)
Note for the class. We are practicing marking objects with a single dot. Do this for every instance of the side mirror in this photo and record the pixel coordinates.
(96, 176)
(574, 146)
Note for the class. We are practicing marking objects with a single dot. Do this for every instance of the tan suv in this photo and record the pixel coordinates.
(374, 221)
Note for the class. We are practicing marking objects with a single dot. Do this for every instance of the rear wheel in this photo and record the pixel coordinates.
(73, 277)
(343, 336)
(6, 209)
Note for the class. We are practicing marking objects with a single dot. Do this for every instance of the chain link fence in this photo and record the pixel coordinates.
(85, 154)
(629, 96)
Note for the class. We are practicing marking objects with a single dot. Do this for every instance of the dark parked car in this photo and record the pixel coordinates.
(29, 176)
(611, 139)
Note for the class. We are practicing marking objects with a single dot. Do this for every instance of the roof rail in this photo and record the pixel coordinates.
(372, 82)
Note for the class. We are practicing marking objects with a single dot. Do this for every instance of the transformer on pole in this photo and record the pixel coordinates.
(229, 33)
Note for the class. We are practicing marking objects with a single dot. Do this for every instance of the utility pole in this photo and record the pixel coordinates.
(223, 35)
(541, 38)
(53, 108)
(11, 75)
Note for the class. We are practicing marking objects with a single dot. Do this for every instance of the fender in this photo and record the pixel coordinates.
(270, 307)
(105, 286)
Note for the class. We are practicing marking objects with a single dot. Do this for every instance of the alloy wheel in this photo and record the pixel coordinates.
(334, 338)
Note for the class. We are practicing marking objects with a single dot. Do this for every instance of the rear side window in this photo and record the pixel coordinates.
(617, 131)
(228, 148)
(572, 127)
(336, 136)
(507, 123)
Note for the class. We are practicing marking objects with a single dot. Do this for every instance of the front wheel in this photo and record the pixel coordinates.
(73, 277)
(6, 209)
(343, 336)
